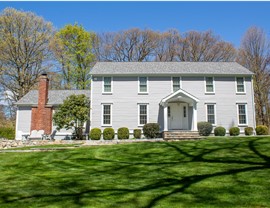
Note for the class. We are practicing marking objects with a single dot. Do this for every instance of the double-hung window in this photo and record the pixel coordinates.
(211, 113)
(143, 87)
(209, 85)
(143, 114)
(176, 83)
(107, 84)
(240, 85)
(242, 114)
(106, 114)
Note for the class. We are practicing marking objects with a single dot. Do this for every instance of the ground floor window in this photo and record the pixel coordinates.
(242, 114)
(211, 116)
(106, 114)
(143, 114)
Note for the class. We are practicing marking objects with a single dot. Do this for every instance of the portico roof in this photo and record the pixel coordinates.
(179, 94)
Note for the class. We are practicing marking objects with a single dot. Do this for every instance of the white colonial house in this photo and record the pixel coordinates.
(176, 95)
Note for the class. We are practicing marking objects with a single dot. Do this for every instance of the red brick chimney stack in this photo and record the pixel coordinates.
(42, 114)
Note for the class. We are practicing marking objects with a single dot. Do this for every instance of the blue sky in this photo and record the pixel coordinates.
(230, 20)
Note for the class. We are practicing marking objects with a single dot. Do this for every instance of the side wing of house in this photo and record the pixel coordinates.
(23, 121)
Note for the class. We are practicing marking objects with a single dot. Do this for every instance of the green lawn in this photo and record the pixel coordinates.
(215, 172)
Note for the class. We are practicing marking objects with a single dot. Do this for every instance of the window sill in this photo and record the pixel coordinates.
(243, 125)
(106, 125)
(107, 93)
(141, 125)
(142, 93)
(210, 93)
(240, 93)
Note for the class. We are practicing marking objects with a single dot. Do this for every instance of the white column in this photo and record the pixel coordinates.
(195, 117)
(165, 110)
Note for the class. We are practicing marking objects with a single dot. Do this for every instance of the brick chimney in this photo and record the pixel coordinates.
(42, 114)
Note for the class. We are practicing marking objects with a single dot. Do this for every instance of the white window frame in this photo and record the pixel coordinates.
(244, 83)
(180, 82)
(237, 108)
(147, 85)
(147, 113)
(103, 92)
(102, 114)
(205, 88)
(215, 112)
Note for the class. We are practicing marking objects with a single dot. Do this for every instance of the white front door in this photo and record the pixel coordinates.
(178, 116)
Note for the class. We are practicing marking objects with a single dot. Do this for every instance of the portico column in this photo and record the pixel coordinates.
(195, 117)
(165, 115)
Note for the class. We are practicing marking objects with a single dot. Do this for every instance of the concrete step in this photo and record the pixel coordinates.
(180, 135)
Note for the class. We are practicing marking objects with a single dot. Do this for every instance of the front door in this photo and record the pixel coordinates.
(178, 116)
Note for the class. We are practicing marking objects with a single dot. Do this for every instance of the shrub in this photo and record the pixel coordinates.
(137, 133)
(108, 133)
(234, 131)
(95, 134)
(123, 133)
(261, 130)
(220, 131)
(151, 130)
(248, 131)
(204, 128)
(7, 132)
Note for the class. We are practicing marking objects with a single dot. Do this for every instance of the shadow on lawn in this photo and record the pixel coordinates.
(171, 182)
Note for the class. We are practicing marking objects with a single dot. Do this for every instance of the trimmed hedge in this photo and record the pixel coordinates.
(123, 133)
(108, 134)
(204, 128)
(7, 132)
(234, 131)
(137, 133)
(248, 131)
(220, 131)
(95, 134)
(261, 130)
(151, 130)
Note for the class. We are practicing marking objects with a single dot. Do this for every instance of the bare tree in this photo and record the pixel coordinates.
(24, 39)
(167, 45)
(204, 46)
(254, 54)
(129, 45)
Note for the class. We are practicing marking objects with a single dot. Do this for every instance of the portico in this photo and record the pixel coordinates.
(180, 111)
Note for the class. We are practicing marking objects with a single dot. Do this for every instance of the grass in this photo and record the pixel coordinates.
(215, 172)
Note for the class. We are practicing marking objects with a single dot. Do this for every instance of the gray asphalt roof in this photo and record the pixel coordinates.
(133, 68)
(56, 97)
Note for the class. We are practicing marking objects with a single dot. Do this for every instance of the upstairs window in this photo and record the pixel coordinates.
(107, 85)
(143, 88)
(176, 83)
(240, 85)
(209, 85)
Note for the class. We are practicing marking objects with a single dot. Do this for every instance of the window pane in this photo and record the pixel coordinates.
(143, 88)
